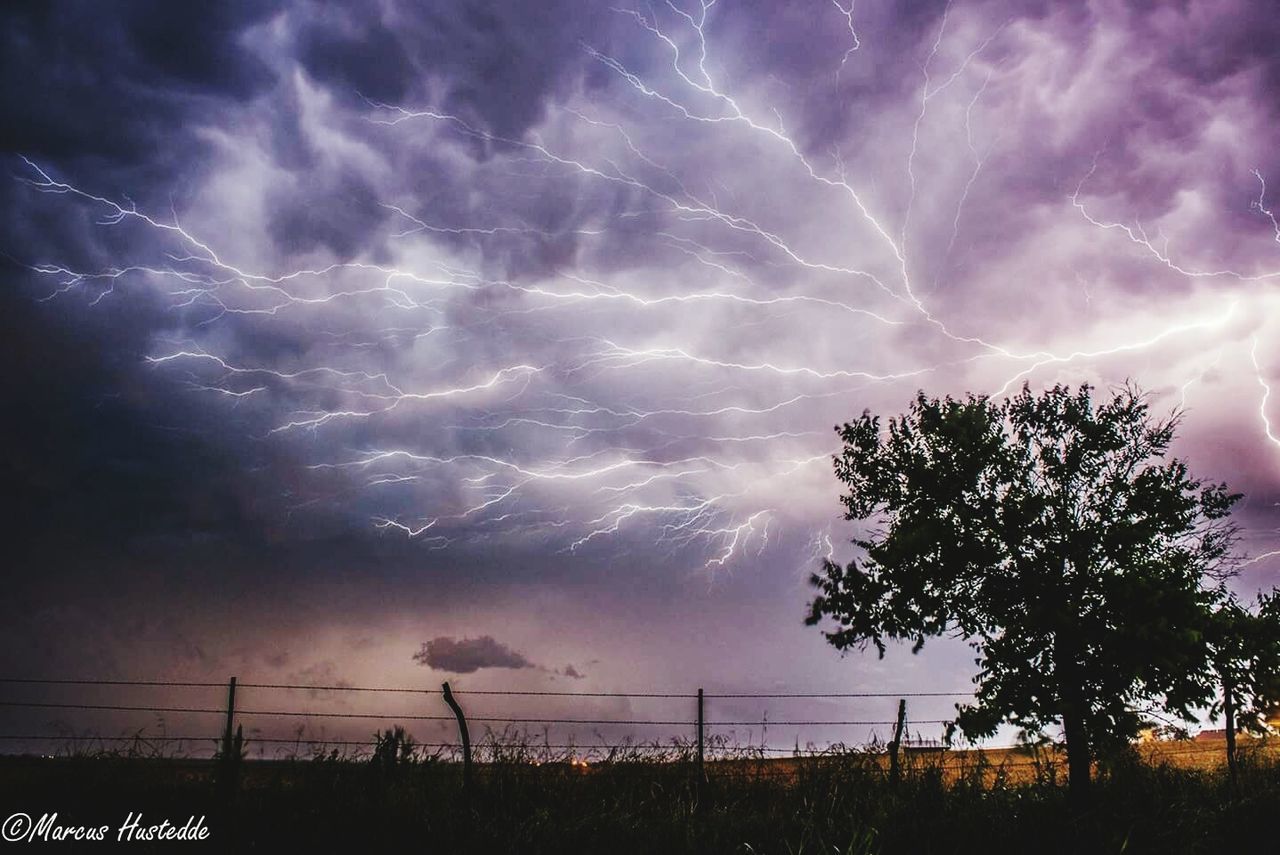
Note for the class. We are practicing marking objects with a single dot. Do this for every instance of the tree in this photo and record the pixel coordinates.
(1081, 564)
(1246, 644)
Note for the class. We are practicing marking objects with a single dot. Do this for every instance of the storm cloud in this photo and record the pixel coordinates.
(468, 312)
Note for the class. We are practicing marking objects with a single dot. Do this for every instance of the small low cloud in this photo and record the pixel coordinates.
(570, 671)
(467, 655)
(277, 660)
(324, 673)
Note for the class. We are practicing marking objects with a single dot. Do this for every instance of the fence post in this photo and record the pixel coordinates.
(231, 713)
(232, 740)
(697, 783)
(897, 740)
(466, 737)
(701, 749)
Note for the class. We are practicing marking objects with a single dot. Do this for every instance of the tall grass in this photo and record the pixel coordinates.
(531, 797)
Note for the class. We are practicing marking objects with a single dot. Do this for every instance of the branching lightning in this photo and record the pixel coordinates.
(1266, 395)
(592, 401)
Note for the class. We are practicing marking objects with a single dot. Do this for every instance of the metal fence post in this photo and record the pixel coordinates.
(462, 731)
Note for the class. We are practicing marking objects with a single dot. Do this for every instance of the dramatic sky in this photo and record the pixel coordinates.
(389, 342)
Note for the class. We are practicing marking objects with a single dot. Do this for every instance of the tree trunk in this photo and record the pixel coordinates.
(1074, 727)
(1229, 707)
(1079, 756)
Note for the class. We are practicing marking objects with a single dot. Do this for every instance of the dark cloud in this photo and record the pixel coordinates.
(339, 213)
(343, 434)
(499, 64)
(103, 444)
(468, 655)
(356, 54)
(83, 80)
(1210, 45)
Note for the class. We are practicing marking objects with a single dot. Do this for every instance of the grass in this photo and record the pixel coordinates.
(529, 798)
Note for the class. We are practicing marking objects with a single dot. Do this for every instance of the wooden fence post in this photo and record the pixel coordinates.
(232, 740)
(897, 740)
(701, 744)
(466, 737)
(231, 713)
(697, 783)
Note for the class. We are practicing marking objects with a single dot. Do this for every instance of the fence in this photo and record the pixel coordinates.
(702, 729)
(699, 729)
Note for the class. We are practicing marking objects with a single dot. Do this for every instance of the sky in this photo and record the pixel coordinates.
(385, 343)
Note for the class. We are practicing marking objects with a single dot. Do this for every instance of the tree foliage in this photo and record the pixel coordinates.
(1080, 560)
(1246, 643)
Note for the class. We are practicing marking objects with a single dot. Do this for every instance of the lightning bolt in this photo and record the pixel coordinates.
(619, 408)
(854, 41)
(1266, 395)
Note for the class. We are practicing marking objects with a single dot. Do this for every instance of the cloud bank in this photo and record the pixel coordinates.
(436, 304)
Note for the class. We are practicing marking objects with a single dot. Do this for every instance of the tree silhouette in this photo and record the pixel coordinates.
(1083, 566)
(1246, 645)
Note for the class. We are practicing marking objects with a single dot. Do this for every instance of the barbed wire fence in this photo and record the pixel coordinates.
(695, 738)
(703, 727)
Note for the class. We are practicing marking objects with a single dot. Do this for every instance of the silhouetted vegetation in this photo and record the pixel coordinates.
(1084, 565)
(529, 799)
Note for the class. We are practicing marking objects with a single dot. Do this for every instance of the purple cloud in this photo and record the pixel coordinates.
(516, 297)
(468, 655)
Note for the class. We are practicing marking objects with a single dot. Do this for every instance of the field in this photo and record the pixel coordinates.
(1166, 798)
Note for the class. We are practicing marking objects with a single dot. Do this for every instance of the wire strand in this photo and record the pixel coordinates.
(498, 692)
(35, 681)
(484, 719)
